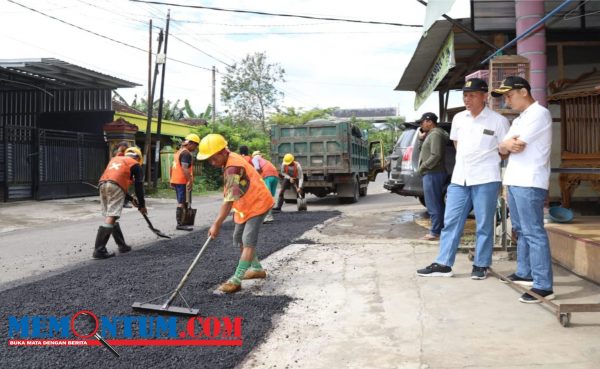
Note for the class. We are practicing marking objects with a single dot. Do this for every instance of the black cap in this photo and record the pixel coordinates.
(244, 150)
(475, 84)
(511, 83)
(428, 116)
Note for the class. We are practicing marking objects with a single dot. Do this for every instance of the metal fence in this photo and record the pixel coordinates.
(47, 164)
(66, 159)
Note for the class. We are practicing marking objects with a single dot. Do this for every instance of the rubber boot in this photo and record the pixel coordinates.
(102, 238)
(119, 239)
(179, 217)
(277, 207)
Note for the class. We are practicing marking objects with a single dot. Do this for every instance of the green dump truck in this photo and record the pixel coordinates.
(335, 157)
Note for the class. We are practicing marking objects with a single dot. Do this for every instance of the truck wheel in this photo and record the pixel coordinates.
(355, 191)
(362, 191)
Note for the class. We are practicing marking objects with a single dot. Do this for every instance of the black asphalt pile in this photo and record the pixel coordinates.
(109, 287)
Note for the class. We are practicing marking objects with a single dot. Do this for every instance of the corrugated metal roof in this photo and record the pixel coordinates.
(468, 52)
(53, 73)
(424, 55)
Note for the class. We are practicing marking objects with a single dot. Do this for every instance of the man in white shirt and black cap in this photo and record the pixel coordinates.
(475, 182)
(527, 176)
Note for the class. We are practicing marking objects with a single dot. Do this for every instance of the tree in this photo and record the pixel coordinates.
(189, 112)
(248, 88)
(171, 111)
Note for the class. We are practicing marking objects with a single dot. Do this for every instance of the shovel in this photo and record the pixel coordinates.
(156, 231)
(166, 308)
(135, 203)
(301, 200)
(189, 214)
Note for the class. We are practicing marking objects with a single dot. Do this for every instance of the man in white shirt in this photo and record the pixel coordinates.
(527, 176)
(475, 183)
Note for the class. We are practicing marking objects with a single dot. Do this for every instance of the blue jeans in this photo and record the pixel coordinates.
(180, 192)
(433, 187)
(526, 206)
(459, 199)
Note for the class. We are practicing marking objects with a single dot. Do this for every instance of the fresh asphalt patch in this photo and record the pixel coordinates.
(109, 287)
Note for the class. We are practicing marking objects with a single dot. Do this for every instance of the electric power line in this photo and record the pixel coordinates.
(278, 14)
(197, 49)
(103, 36)
(286, 33)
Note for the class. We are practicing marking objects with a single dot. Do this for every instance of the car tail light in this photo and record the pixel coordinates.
(407, 159)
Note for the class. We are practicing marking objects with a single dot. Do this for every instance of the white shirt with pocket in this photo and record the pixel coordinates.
(477, 158)
(531, 167)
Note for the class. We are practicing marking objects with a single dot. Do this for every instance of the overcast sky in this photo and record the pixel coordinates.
(327, 63)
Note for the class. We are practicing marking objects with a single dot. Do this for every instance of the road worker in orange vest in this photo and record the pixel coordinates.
(270, 175)
(182, 176)
(244, 193)
(291, 171)
(119, 174)
(244, 152)
(120, 151)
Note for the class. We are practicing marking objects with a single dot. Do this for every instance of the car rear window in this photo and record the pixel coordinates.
(406, 138)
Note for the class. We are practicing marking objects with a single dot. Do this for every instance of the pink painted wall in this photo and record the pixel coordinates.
(533, 47)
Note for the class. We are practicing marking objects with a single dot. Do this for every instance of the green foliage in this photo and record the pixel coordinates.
(189, 112)
(292, 117)
(388, 132)
(236, 134)
(171, 110)
(248, 88)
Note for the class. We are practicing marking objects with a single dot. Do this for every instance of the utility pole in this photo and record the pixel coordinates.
(160, 103)
(150, 102)
(214, 86)
(148, 141)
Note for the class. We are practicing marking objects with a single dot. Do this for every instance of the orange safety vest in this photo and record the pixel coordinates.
(257, 200)
(177, 175)
(294, 173)
(118, 171)
(267, 169)
(248, 158)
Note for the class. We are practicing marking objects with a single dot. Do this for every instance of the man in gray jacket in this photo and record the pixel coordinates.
(432, 168)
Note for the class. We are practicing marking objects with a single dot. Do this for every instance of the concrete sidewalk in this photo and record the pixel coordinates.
(359, 304)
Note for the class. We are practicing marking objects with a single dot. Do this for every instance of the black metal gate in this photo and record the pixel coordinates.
(66, 159)
(18, 159)
(45, 164)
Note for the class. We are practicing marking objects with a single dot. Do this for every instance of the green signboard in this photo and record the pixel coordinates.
(443, 63)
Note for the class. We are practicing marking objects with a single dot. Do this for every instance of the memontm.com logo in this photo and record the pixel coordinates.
(84, 328)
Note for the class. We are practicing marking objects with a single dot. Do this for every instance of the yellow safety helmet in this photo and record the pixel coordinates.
(193, 138)
(135, 151)
(256, 153)
(210, 145)
(288, 159)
